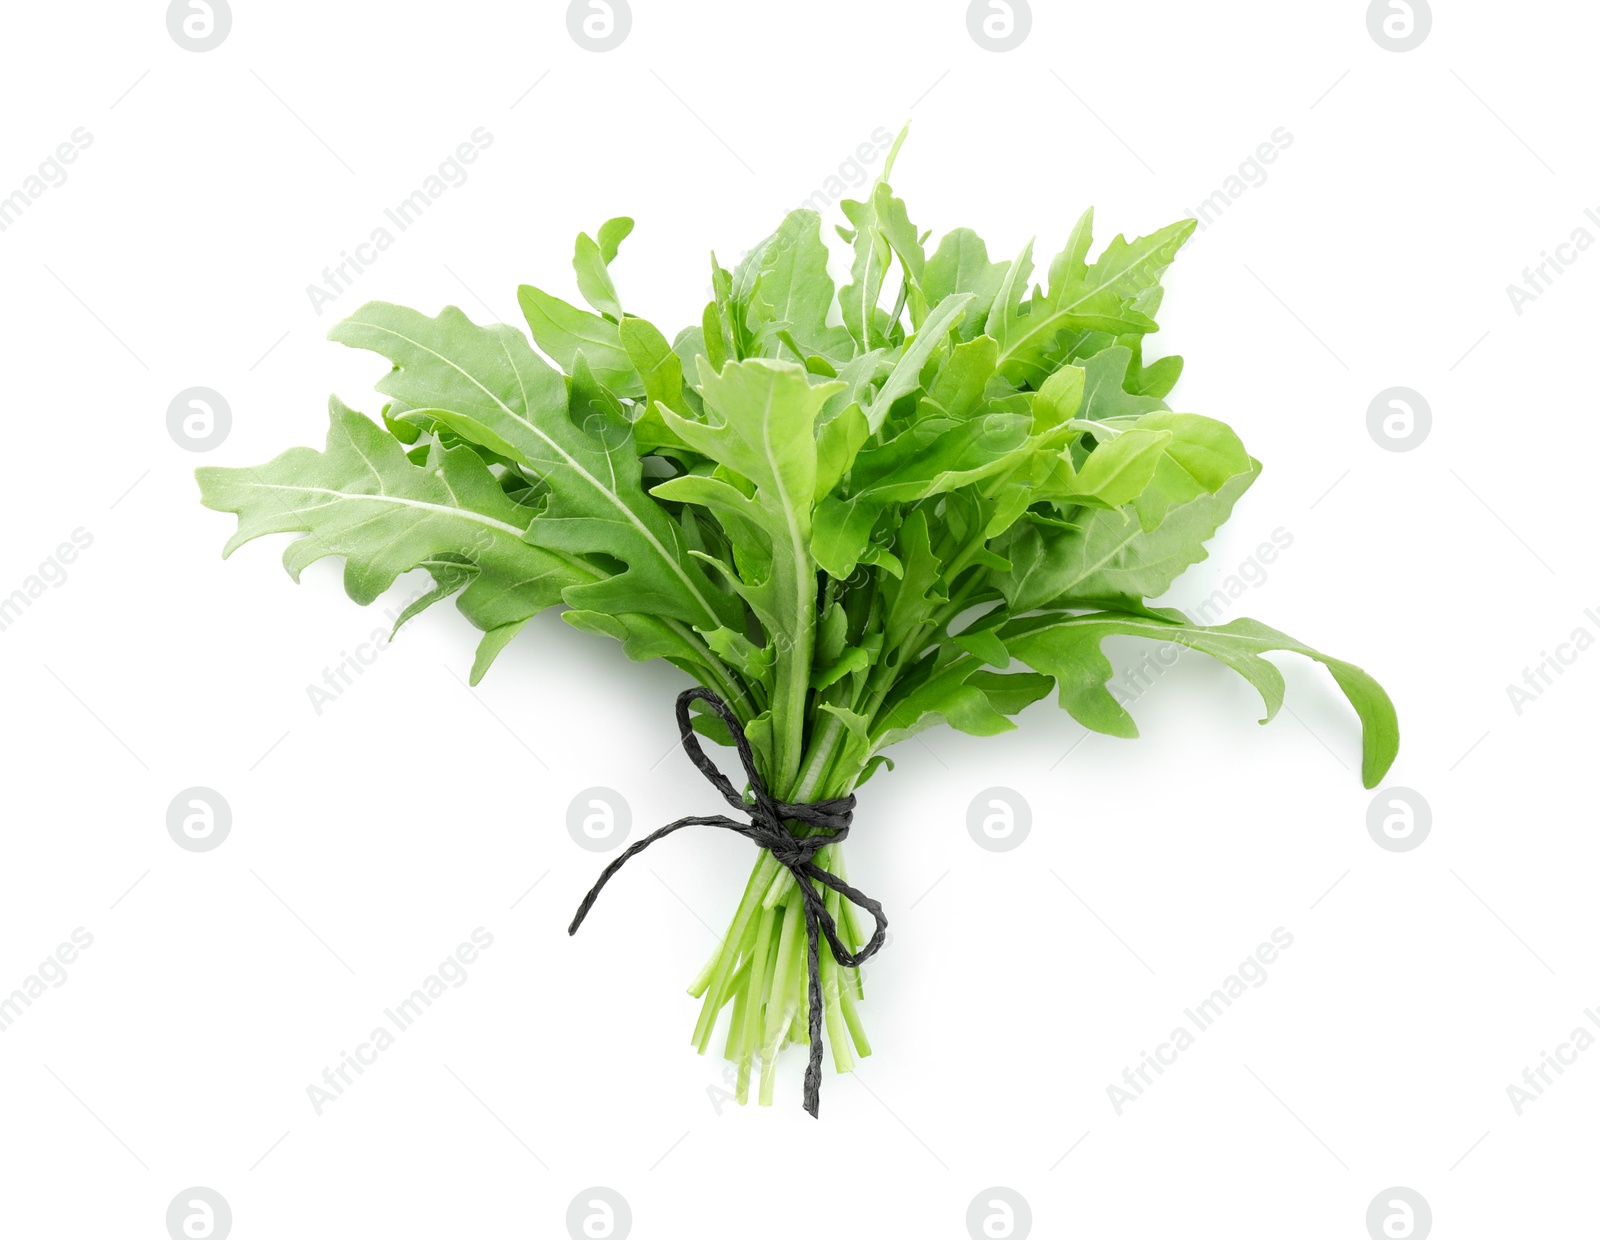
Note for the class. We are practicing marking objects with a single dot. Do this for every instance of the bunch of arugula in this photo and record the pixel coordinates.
(851, 523)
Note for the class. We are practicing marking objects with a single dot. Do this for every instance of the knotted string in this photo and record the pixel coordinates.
(767, 829)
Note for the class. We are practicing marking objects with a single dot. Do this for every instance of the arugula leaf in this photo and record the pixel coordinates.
(360, 498)
(904, 377)
(1068, 648)
(1116, 473)
(594, 280)
(917, 463)
(794, 292)
(563, 331)
(1117, 294)
(858, 300)
(1105, 393)
(1108, 555)
(963, 695)
(959, 386)
(1199, 458)
(612, 234)
(961, 265)
(488, 386)
(1123, 284)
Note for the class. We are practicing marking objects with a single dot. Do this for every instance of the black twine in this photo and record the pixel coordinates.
(767, 829)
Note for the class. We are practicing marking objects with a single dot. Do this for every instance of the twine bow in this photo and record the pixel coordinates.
(768, 829)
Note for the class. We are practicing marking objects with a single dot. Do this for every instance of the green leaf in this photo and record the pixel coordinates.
(714, 346)
(1116, 472)
(1117, 295)
(1012, 693)
(961, 265)
(838, 442)
(936, 456)
(1006, 322)
(853, 659)
(1108, 555)
(959, 386)
(494, 641)
(594, 281)
(986, 645)
(488, 386)
(450, 573)
(754, 662)
(1200, 458)
(762, 426)
(858, 376)
(642, 637)
(962, 695)
(912, 598)
(563, 331)
(1157, 379)
(1122, 282)
(657, 364)
(1071, 265)
(858, 741)
(858, 300)
(921, 461)
(405, 432)
(662, 373)
(611, 235)
(1104, 393)
(450, 363)
(793, 292)
(360, 498)
(904, 240)
(1068, 648)
(904, 377)
(1060, 399)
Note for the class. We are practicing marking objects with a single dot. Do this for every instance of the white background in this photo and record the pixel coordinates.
(369, 840)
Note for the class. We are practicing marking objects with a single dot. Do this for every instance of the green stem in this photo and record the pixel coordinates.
(734, 946)
(792, 677)
(750, 1027)
(815, 769)
(843, 1061)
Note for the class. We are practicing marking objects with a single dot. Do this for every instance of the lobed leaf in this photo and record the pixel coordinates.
(1068, 648)
(361, 498)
